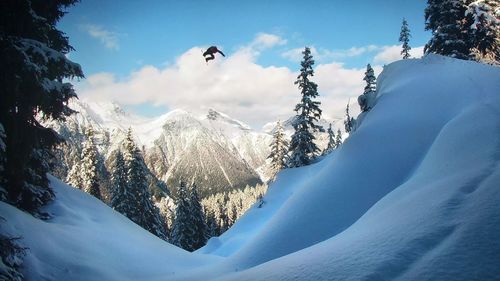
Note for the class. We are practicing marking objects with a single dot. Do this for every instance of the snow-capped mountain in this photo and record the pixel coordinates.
(201, 150)
(214, 150)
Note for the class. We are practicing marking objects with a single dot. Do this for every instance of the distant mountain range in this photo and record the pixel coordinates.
(215, 151)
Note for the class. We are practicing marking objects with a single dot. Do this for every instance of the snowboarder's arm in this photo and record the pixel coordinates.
(221, 53)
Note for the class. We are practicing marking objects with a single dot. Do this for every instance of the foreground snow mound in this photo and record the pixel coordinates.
(86, 240)
(412, 194)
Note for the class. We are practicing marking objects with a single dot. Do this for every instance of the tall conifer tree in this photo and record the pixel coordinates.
(141, 209)
(302, 147)
(450, 37)
(483, 21)
(32, 83)
(338, 139)
(279, 150)
(119, 194)
(331, 140)
(182, 229)
(370, 88)
(404, 38)
(89, 162)
(349, 121)
(198, 219)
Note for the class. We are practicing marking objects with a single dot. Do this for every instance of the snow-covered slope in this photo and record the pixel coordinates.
(86, 240)
(411, 195)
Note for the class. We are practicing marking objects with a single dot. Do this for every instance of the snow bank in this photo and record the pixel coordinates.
(411, 194)
(86, 240)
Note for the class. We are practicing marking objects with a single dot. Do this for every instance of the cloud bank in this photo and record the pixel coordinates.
(236, 85)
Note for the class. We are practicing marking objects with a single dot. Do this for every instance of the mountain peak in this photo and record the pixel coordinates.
(214, 115)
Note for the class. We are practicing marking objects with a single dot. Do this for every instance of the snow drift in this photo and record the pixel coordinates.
(412, 195)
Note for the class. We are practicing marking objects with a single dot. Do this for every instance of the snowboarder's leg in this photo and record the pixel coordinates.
(211, 57)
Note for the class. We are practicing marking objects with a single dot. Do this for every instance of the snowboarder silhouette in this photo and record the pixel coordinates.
(210, 53)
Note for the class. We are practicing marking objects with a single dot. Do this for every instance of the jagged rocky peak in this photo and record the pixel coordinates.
(217, 116)
(212, 114)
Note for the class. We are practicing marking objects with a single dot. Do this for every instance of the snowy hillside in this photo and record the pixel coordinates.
(412, 194)
(86, 240)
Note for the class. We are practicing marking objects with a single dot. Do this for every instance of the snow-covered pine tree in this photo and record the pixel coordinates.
(223, 219)
(279, 150)
(446, 19)
(338, 139)
(371, 81)
(404, 38)
(141, 209)
(198, 220)
(119, 200)
(88, 167)
(33, 83)
(302, 147)
(233, 216)
(212, 227)
(74, 177)
(483, 21)
(182, 229)
(11, 258)
(370, 88)
(166, 206)
(349, 121)
(331, 141)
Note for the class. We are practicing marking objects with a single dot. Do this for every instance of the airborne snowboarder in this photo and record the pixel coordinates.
(209, 53)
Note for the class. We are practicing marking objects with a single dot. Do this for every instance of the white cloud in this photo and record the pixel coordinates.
(260, 43)
(295, 55)
(108, 38)
(266, 40)
(389, 54)
(236, 85)
(337, 85)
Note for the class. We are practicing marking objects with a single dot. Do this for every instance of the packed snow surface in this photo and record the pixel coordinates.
(412, 194)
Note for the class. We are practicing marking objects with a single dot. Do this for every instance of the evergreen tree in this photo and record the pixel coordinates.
(212, 227)
(198, 220)
(338, 139)
(279, 150)
(370, 88)
(484, 30)
(182, 229)
(32, 83)
(74, 177)
(119, 200)
(302, 147)
(446, 19)
(89, 176)
(371, 84)
(11, 258)
(349, 121)
(140, 208)
(223, 219)
(331, 141)
(404, 38)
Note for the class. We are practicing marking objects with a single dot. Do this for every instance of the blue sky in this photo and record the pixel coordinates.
(118, 41)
